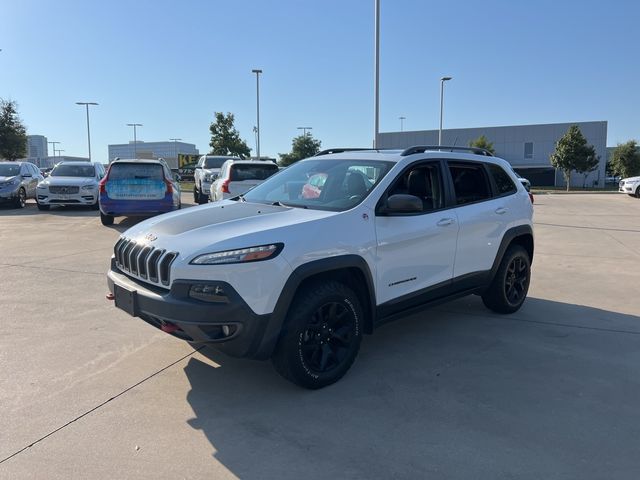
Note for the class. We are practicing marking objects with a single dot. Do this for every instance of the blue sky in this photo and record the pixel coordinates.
(169, 65)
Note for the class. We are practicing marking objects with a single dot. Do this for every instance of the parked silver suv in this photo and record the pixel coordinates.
(18, 181)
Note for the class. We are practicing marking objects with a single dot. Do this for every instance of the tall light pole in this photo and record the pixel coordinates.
(304, 130)
(86, 104)
(402, 119)
(376, 82)
(175, 147)
(442, 80)
(54, 147)
(257, 72)
(57, 150)
(135, 138)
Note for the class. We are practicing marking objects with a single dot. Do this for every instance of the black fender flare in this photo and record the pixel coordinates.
(304, 272)
(507, 239)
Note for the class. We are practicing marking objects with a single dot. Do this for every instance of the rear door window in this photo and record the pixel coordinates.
(136, 181)
(502, 180)
(146, 171)
(214, 162)
(470, 182)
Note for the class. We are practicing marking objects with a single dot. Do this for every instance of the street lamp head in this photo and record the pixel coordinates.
(134, 125)
(86, 103)
(444, 79)
(255, 70)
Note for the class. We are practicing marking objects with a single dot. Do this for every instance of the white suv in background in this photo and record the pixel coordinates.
(206, 171)
(630, 186)
(71, 183)
(298, 272)
(239, 176)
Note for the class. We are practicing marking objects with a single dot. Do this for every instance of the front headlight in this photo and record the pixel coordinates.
(88, 188)
(10, 183)
(242, 255)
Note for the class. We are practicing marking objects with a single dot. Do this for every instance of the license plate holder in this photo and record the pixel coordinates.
(126, 300)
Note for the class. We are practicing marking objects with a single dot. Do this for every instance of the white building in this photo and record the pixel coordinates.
(167, 150)
(37, 149)
(526, 147)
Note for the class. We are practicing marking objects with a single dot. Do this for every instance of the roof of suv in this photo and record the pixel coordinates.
(396, 155)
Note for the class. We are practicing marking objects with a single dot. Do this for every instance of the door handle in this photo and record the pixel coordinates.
(444, 222)
(501, 210)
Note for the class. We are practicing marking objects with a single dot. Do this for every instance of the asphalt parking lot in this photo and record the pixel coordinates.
(453, 392)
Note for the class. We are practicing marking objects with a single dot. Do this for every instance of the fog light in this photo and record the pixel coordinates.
(208, 293)
(226, 330)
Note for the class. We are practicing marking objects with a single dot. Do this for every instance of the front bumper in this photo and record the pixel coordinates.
(629, 188)
(196, 321)
(82, 198)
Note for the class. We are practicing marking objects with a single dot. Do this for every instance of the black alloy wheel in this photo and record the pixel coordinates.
(517, 280)
(508, 289)
(321, 336)
(328, 338)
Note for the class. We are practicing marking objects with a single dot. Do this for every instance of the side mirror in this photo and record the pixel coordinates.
(402, 203)
(198, 167)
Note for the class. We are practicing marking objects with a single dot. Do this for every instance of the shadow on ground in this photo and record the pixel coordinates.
(454, 392)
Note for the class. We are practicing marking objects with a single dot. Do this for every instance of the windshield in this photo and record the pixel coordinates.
(9, 170)
(321, 184)
(133, 171)
(74, 171)
(244, 171)
(215, 162)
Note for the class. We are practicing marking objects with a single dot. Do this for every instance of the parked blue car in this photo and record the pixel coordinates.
(138, 188)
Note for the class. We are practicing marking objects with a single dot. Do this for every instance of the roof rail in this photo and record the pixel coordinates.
(329, 151)
(424, 148)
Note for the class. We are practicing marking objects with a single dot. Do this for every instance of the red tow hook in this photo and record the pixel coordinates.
(110, 296)
(169, 327)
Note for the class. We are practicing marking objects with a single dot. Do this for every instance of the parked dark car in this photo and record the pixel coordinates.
(18, 182)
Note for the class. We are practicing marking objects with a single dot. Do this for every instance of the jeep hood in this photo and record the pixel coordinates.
(199, 227)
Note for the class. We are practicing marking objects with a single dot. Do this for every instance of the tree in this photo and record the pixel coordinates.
(13, 134)
(302, 146)
(483, 142)
(625, 159)
(225, 139)
(573, 153)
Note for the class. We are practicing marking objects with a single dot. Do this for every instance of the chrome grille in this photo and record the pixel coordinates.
(63, 190)
(144, 261)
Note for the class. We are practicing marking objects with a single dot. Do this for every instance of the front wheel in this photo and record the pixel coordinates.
(638, 192)
(509, 287)
(21, 199)
(106, 219)
(95, 206)
(321, 336)
(42, 207)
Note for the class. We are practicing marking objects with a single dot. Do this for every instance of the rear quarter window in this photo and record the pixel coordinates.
(502, 180)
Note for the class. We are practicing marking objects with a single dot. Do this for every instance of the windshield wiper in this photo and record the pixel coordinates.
(280, 204)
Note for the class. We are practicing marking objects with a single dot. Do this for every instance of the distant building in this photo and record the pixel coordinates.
(37, 149)
(167, 150)
(526, 147)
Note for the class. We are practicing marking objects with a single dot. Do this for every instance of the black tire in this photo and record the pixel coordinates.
(196, 194)
(95, 206)
(310, 352)
(21, 199)
(509, 287)
(638, 192)
(106, 219)
(202, 198)
(43, 207)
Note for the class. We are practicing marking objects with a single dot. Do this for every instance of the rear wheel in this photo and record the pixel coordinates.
(196, 194)
(321, 336)
(106, 219)
(21, 199)
(638, 192)
(509, 287)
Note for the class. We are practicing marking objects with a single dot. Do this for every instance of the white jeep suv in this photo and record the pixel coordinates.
(298, 272)
(206, 171)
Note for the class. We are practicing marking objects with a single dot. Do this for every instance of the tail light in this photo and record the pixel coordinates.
(225, 186)
(102, 185)
(531, 197)
(169, 186)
